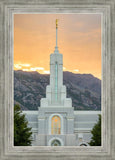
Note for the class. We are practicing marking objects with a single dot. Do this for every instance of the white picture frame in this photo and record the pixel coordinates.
(7, 149)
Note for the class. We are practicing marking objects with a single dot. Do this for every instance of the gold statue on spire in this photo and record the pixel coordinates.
(56, 23)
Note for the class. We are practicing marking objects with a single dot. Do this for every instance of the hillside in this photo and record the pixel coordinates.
(30, 87)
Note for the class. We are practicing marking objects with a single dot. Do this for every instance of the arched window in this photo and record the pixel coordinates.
(55, 143)
(55, 125)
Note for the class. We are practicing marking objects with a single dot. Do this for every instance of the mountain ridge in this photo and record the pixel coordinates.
(30, 87)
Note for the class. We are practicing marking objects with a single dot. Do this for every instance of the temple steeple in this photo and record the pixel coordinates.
(56, 47)
(56, 91)
(56, 30)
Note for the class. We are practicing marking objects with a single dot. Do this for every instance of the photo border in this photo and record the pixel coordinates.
(7, 10)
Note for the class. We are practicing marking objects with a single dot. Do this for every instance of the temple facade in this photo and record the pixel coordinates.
(56, 123)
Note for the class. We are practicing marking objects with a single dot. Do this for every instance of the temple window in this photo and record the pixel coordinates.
(56, 125)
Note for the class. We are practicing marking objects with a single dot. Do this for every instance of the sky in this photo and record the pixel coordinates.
(79, 40)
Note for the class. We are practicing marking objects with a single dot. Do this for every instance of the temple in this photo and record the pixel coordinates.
(56, 123)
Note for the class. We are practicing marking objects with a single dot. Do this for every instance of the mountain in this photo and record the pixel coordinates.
(83, 89)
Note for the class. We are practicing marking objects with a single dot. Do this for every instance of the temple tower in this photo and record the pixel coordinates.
(55, 114)
(56, 91)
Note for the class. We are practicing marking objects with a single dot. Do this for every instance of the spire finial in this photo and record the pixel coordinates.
(56, 47)
(56, 23)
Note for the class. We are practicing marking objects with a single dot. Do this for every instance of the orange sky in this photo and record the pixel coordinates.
(79, 40)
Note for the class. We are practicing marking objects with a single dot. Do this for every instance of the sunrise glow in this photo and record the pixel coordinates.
(79, 40)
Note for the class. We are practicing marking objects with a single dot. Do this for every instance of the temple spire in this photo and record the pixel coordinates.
(56, 47)
(56, 23)
(56, 30)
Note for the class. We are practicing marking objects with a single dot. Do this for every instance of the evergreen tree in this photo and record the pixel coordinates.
(96, 132)
(22, 133)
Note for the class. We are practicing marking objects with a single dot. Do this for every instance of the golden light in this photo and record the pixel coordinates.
(79, 40)
(55, 120)
(56, 125)
(46, 72)
(17, 66)
(25, 69)
(76, 70)
(25, 65)
(64, 68)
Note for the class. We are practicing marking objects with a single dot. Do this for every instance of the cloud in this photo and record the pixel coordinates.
(36, 68)
(39, 68)
(32, 69)
(64, 68)
(21, 66)
(76, 70)
(47, 72)
(25, 69)
(17, 66)
(25, 65)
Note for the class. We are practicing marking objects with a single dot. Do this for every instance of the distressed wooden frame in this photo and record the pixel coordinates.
(107, 10)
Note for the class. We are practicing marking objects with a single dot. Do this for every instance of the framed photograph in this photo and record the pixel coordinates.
(57, 66)
(60, 94)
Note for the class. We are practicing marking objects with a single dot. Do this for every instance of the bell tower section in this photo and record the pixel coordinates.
(56, 91)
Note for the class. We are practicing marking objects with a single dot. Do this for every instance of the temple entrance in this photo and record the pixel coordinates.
(55, 143)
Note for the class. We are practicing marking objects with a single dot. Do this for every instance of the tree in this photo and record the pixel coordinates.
(22, 133)
(96, 132)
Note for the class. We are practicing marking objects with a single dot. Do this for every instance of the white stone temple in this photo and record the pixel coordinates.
(56, 123)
